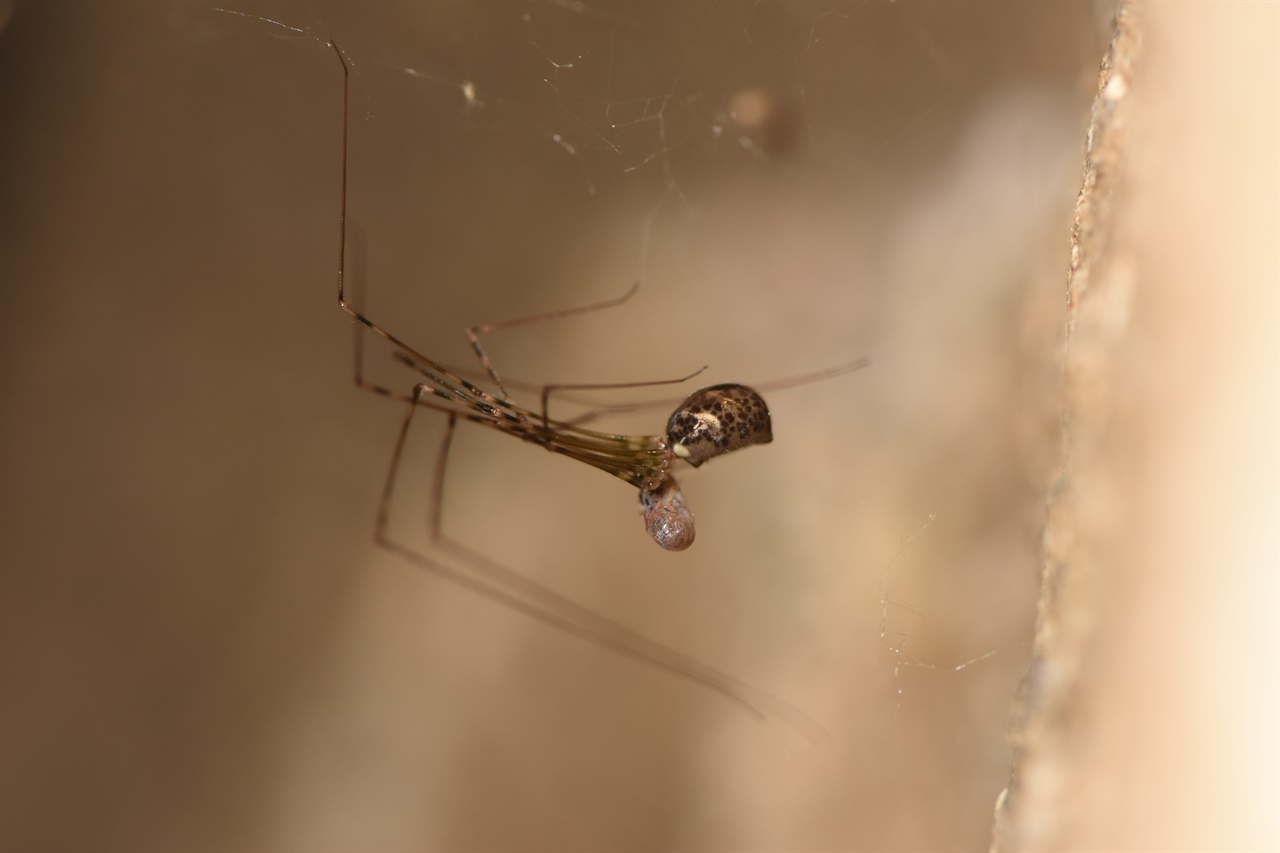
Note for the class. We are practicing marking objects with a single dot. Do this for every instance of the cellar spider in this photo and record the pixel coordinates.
(708, 423)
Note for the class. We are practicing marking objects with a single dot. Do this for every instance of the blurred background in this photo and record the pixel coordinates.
(200, 644)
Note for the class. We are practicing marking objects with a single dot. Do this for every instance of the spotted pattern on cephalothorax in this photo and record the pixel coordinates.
(718, 420)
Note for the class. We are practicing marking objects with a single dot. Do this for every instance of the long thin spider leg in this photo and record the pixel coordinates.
(510, 588)
(763, 388)
(600, 408)
(358, 332)
(814, 376)
(531, 388)
(547, 389)
(343, 302)
(474, 332)
(474, 417)
(357, 348)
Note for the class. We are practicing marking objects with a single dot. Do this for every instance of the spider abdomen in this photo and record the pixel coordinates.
(667, 517)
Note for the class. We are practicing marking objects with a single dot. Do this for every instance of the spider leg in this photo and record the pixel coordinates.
(763, 388)
(599, 409)
(548, 389)
(473, 332)
(343, 302)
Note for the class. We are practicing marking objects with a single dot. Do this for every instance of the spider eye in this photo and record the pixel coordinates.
(717, 420)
